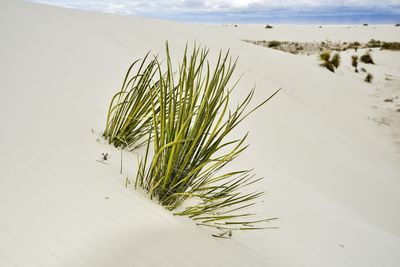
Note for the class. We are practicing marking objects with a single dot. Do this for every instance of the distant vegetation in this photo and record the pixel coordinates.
(354, 62)
(373, 43)
(391, 46)
(367, 58)
(309, 48)
(268, 26)
(274, 44)
(382, 45)
(331, 63)
(354, 45)
(336, 60)
(369, 78)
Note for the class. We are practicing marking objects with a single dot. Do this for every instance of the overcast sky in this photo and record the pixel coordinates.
(242, 10)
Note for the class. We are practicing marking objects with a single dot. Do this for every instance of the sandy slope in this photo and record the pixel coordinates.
(332, 174)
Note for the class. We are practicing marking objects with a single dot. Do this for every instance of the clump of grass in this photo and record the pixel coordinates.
(274, 44)
(130, 113)
(354, 45)
(331, 63)
(354, 62)
(369, 78)
(373, 43)
(390, 46)
(191, 146)
(336, 60)
(325, 57)
(367, 58)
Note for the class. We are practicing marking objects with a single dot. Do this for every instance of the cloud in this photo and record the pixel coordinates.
(234, 10)
(213, 5)
(194, 3)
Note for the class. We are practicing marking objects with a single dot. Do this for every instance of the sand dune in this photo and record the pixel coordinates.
(332, 173)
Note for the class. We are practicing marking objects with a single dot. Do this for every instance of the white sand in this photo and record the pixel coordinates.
(332, 173)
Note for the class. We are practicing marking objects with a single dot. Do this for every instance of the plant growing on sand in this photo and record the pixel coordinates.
(130, 113)
(336, 60)
(191, 124)
(373, 43)
(390, 46)
(330, 62)
(274, 43)
(354, 45)
(354, 62)
(369, 78)
(367, 58)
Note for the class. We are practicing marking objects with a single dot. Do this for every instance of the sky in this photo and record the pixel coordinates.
(248, 11)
